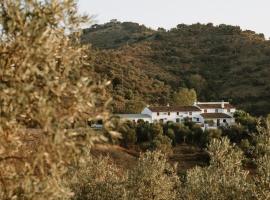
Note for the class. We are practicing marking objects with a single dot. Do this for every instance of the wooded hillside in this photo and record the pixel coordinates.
(147, 66)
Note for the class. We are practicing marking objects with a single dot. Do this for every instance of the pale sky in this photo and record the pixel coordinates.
(248, 14)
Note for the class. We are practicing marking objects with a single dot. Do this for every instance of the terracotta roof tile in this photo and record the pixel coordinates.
(174, 109)
(142, 116)
(214, 106)
(215, 115)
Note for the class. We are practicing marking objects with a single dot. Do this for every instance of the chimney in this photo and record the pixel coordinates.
(222, 104)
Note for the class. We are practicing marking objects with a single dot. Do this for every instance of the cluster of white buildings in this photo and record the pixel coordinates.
(206, 114)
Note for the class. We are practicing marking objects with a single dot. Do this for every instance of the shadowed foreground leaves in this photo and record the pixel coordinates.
(46, 96)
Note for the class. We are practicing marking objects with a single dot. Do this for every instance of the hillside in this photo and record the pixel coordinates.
(186, 156)
(115, 34)
(147, 66)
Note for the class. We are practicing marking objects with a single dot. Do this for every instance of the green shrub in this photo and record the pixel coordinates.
(143, 132)
(171, 135)
(262, 179)
(128, 133)
(249, 122)
(246, 147)
(153, 178)
(99, 179)
(162, 143)
(224, 178)
(155, 130)
(181, 133)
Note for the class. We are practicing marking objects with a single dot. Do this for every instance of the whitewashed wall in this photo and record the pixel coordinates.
(173, 116)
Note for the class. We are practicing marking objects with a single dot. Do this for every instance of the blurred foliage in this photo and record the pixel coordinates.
(47, 94)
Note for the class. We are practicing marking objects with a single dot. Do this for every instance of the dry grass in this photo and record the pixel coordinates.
(185, 156)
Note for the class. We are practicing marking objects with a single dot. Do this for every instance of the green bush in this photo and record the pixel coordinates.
(162, 143)
(99, 179)
(155, 130)
(181, 132)
(128, 133)
(224, 178)
(143, 132)
(153, 178)
(171, 135)
(246, 120)
(247, 148)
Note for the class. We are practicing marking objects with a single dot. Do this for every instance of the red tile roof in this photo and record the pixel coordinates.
(215, 105)
(174, 109)
(215, 115)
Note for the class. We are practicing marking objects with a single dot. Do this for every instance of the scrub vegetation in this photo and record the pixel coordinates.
(152, 66)
(51, 85)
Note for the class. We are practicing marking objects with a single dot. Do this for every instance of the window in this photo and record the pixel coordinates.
(205, 110)
(216, 110)
(190, 113)
(224, 120)
(198, 119)
(177, 120)
(228, 110)
(177, 113)
(157, 113)
(169, 113)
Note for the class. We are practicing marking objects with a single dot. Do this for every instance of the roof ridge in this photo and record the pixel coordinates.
(174, 108)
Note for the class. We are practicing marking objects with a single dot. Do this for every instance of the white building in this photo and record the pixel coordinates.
(135, 117)
(207, 114)
(216, 107)
(173, 113)
(216, 114)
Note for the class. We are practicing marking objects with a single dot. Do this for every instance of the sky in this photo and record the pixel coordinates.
(248, 14)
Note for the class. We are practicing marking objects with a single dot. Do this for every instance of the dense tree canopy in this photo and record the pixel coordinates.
(184, 97)
(219, 62)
